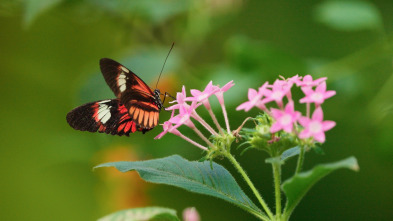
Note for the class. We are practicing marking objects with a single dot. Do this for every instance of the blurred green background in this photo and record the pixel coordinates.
(50, 51)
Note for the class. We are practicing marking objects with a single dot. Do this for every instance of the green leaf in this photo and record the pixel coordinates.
(297, 186)
(290, 153)
(348, 15)
(164, 217)
(198, 177)
(139, 214)
(33, 8)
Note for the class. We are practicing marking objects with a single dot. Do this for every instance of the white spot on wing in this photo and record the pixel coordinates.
(124, 69)
(106, 117)
(104, 113)
(122, 88)
(122, 75)
(121, 82)
(104, 101)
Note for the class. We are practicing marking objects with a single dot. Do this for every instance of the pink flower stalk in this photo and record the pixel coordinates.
(220, 91)
(284, 119)
(315, 127)
(168, 127)
(220, 96)
(190, 214)
(309, 82)
(318, 96)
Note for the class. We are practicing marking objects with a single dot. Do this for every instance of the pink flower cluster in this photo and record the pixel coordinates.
(285, 116)
(186, 111)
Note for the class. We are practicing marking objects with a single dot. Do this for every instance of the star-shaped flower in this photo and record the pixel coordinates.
(254, 98)
(309, 82)
(318, 96)
(168, 127)
(180, 100)
(315, 127)
(284, 118)
(280, 88)
(203, 96)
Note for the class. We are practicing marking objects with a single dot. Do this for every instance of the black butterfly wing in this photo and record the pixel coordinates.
(120, 79)
(133, 92)
(106, 116)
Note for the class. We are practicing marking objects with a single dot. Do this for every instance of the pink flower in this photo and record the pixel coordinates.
(203, 96)
(254, 98)
(220, 91)
(309, 82)
(185, 113)
(180, 100)
(168, 127)
(190, 214)
(315, 127)
(318, 96)
(284, 119)
(280, 88)
(295, 80)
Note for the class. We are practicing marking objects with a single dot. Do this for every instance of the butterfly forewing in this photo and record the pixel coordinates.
(106, 116)
(133, 92)
(120, 79)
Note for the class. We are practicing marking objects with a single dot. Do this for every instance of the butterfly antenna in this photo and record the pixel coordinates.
(164, 63)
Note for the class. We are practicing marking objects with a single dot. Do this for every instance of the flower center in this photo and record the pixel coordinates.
(315, 127)
(203, 97)
(317, 97)
(277, 95)
(286, 119)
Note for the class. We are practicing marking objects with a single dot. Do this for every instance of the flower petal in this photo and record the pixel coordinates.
(329, 94)
(305, 133)
(321, 88)
(227, 86)
(275, 127)
(304, 121)
(246, 106)
(252, 93)
(320, 137)
(327, 125)
(195, 92)
(318, 114)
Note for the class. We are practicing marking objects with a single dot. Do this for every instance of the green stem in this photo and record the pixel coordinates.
(300, 160)
(250, 184)
(277, 184)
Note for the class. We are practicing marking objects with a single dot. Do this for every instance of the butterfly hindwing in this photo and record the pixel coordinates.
(106, 116)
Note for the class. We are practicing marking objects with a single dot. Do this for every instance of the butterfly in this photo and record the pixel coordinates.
(136, 107)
